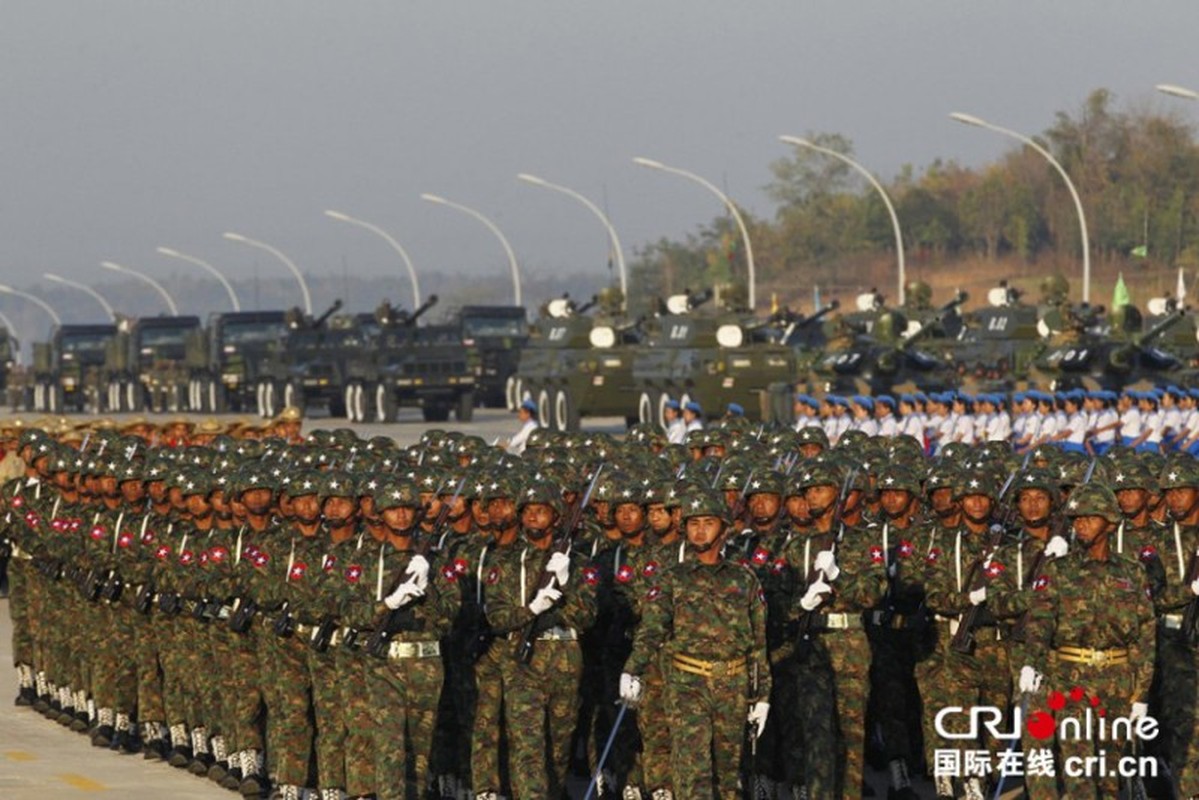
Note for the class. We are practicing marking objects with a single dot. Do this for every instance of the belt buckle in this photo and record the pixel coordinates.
(837, 621)
(1098, 656)
(719, 669)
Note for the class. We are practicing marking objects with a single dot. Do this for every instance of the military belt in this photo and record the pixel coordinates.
(398, 650)
(708, 669)
(225, 612)
(304, 630)
(339, 636)
(1095, 658)
(1171, 621)
(839, 622)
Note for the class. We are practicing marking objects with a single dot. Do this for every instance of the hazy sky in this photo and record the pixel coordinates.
(129, 124)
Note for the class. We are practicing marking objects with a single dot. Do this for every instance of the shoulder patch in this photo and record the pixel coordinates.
(876, 554)
(353, 573)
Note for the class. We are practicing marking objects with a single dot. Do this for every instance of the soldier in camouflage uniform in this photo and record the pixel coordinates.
(1091, 626)
(541, 686)
(711, 614)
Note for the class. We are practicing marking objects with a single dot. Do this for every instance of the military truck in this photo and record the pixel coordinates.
(576, 366)
(498, 333)
(145, 364)
(66, 369)
(895, 352)
(224, 359)
(721, 358)
(307, 367)
(412, 365)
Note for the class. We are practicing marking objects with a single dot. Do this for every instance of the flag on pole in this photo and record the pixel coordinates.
(1120, 296)
(1180, 292)
(1140, 251)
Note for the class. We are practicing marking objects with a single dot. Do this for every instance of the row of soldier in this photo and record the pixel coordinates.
(448, 620)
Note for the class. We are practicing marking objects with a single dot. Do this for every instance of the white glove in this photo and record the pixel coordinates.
(757, 717)
(418, 568)
(559, 567)
(1057, 547)
(1195, 586)
(1139, 711)
(826, 562)
(1030, 679)
(545, 599)
(815, 595)
(404, 594)
(978, 596)
(630, 689)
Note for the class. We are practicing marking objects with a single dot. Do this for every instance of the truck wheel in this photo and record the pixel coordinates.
(260, 398)
(544, 409)
(269, 400)
(54, 398)
(645, 407)
(348, 401)
(218, 403)
(561, 410)
(39, 396)
(465, 410)
(386, 408)
(135, 398)
(660, 418)
(511, 393)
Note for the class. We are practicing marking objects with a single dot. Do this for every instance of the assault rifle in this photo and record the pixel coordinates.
(807, 618)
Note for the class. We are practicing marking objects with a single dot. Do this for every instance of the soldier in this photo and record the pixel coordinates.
(1091, 627)
(541, 685)
(712, 613)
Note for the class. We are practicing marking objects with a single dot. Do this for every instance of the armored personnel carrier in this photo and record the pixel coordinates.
(576, 366)
(145, 365)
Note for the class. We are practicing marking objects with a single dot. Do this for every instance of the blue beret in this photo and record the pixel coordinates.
(886, 400)
(735, 409)
(529, 405)
(672, 403)
(693, 407)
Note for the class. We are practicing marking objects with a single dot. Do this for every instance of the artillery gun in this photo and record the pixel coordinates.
(305, 366)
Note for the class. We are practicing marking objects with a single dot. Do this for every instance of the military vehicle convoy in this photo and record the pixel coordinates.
(306, 368)
(999, 342)
(145, 365)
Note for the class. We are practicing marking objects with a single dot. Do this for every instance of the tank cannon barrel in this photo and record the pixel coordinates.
(697, 299)
(931, 325)
(330, 311)
(1160, 327)
(819, 315)
(583, 309)
(420, 311)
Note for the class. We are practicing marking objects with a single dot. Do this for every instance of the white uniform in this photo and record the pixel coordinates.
(516, 445)
(676, 432)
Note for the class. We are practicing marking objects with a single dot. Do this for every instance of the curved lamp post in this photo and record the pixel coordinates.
(439, 200)
(970, 119)
(5, 289)
(728, 203)
(233, 298)
(387, 237)
(12, 332)
(603, 218)
(83, 287)
(158, 287)
(237, 237)
(878, 187)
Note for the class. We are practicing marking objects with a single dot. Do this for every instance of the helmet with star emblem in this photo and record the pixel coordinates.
(305, 482)
(1179, 474)
(896, 477)
(397, 493)
(765, 481)
(812, 434)
(943, 474)
(976, 482)
(497, 487)
(334, 483)
(704, 504)
(1038, 478)
(1094, 500)
(543, 493)
(1131, 474)
(826, 474)
(192, 480)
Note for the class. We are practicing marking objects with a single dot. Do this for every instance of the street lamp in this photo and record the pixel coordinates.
(237, 237)
(233, 298)
(728, 203)
(970, 119)
(433, 198)
(158, 287)
(5, 289)
(612, 237)
(800, 142)
(83, 287)
(1177, 91)
(387, 237)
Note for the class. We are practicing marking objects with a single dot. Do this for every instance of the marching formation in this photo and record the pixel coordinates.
(752, 612)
